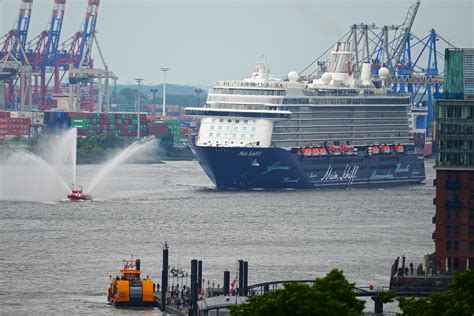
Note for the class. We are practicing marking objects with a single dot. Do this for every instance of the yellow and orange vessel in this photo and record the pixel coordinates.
(129, 290)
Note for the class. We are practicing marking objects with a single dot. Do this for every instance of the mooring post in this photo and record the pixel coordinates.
(241, 277)
(164, 277)
(246, 277)
(378, 305)
(199, 276)
(194, 286)
(226, 282)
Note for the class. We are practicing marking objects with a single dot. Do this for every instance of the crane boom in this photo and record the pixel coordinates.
(405, 29)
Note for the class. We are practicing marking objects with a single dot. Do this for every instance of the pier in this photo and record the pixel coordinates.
(184, 299)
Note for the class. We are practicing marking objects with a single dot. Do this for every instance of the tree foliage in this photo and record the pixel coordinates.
(458, 300)
(331, 295)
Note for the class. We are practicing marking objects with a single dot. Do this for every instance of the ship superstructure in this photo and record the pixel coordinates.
(337, 130)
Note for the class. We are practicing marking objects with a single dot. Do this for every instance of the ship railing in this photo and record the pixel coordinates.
(240, 83)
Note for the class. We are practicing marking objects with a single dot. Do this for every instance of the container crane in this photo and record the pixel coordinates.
(14, 65)
(81, 66)
(42, 51)
(412, 61)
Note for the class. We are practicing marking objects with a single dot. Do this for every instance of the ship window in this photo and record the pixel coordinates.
(252, 136)
(244, 129)
(227, 128)
(236, 128)
(246, 121)
(234, 135)
(211, 134)
(237, 121)
(218, 135)
(254, 121)
(212, 127)
(213, 120)
(242, 136)
(253, 129)
(221, 121)
(219, 128)
(229, 121)
(226, 135)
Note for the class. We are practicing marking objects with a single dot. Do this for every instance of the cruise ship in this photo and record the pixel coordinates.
(338, 130)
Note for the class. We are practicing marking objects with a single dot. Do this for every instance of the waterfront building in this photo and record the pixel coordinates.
(454, 217)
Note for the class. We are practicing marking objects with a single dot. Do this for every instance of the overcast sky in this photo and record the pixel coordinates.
(203, 41)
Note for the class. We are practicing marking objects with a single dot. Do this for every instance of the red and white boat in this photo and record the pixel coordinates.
(78, 195)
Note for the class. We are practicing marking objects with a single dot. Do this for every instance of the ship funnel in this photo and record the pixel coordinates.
(365, 74)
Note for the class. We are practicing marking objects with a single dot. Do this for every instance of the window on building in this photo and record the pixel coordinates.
(448, 245)
(471, 230)
(471, 213)
(471, 245)
(456, 245)
(471, 195)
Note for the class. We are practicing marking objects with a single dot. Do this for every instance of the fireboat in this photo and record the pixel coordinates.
(129, 290)
(78, 195)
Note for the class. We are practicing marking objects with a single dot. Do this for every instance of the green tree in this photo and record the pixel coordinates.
(458, 300)
(331, 295)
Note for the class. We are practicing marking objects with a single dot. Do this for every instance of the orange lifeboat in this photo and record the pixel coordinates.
(385, 149)
(374, 150)
(399, 149)
(307, 152)
(335, 150)
(315, 152)
(323, 151)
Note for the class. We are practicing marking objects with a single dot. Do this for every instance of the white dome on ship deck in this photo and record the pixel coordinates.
(293, 76)
(326, 77)
(384, 73)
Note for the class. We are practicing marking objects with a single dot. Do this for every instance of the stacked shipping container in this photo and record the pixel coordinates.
(13, 126)
(119, 124)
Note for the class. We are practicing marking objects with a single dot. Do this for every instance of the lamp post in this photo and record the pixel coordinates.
(154, 91)
(139, 81)
(198, 92)
(164, 69)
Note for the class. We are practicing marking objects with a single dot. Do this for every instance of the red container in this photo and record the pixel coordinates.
(4, 114)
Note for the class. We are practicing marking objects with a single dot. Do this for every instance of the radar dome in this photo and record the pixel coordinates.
(293, 76)
(383, 73)
(326, 77)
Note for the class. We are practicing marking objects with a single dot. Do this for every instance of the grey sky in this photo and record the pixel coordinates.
(203, 41)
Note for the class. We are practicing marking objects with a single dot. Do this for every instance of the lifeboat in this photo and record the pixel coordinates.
(374, 150)
(315, 152)
(323, 151)
(334, 150)
(129, 290)
(399, 149)
(78, 195)
(307, 152)
(385, 149)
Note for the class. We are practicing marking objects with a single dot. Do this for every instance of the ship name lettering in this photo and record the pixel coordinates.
(289, 180)
(376, 176)
(276, 166)
(349, 173)
(250, 153)
(400, 169)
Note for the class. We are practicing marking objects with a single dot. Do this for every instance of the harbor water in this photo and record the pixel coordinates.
(56, 257)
